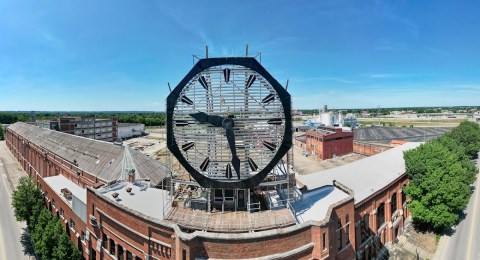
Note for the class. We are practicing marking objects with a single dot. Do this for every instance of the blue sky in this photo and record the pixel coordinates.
(119, 55)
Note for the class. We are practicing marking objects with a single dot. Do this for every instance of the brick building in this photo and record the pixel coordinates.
(89, 127)
(347, 212)
(327, 142)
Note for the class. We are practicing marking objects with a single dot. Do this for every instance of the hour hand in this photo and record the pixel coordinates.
(204, 118)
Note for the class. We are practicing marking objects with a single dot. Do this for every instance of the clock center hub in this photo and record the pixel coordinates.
(228, 123)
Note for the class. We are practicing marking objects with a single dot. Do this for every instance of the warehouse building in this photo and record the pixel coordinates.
(89, 127)
(114, 205)
(328, 142)
(128, 130)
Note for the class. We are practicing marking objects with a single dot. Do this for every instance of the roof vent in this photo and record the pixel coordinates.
(66, 193)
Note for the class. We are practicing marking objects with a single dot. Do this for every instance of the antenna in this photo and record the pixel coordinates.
(206, 51)
(246, 51)
(169, 86)
(286, 86)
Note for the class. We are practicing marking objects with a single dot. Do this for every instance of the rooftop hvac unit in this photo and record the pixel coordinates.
(66, 193)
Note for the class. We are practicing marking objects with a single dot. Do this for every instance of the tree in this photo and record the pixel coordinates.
(26, 200)
(2, 134)
(38, 230)
(441, 173)
(64, 248)
(49, 239)
(467, 134)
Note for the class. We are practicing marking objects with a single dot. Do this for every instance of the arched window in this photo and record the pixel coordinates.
(380, 215)
(365, 227)
(339, 234)
(393, 203)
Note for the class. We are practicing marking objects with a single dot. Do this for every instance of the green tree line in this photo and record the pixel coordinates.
(2, 133)
(441, 173)
(46, 231)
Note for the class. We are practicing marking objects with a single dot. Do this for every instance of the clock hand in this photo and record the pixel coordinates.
(211, 119)
(231, 142)
(227, 124)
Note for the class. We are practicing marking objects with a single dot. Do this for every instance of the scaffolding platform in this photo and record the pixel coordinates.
(226, 222)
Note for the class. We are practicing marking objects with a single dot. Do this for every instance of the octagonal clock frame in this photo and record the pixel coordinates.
(176, 96)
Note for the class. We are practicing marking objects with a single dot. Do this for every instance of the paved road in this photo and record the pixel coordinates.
(465, 242)
(10, 231)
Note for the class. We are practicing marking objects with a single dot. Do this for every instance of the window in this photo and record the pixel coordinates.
(324, 241)
(83, 237)
(120, 254)
(365, 228)
(347, 230)
(229, 195)
(72, 224)
(62, 213)
(339, 234)
(112, 247)
(380, 215)
(46, 194)
(129, 255)
(105, 241)
(53, 203)
(393, 203)
(404, 196)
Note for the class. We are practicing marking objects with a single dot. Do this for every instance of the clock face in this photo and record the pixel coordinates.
(228, 123)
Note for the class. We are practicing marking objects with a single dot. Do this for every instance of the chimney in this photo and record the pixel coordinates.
(131, 176)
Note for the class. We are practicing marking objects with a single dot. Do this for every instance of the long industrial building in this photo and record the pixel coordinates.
(114, 205)
(105, 129)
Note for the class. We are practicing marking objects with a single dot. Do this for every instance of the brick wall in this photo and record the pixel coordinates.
(119, 229)
(327, 146)
(368, 149)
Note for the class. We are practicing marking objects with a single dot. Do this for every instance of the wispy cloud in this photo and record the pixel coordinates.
(279, 41)
(327, 78)
(388, 75)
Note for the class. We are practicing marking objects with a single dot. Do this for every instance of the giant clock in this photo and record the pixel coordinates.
(229, 122)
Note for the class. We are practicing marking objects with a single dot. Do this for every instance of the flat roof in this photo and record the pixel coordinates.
(365, 176)
(314, 205)
(142, 198)
(57, 183)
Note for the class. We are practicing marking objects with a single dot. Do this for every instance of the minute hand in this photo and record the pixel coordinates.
(231, 142)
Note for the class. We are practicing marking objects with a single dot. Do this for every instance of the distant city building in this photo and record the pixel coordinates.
(297, 113)
(326, 143)
(334, 119)
(127, 130)
(89, 127)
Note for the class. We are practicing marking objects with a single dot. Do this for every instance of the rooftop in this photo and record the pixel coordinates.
(141, 198)
(59, 182)
(365, 176)
(314, 204)
(99, 158)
